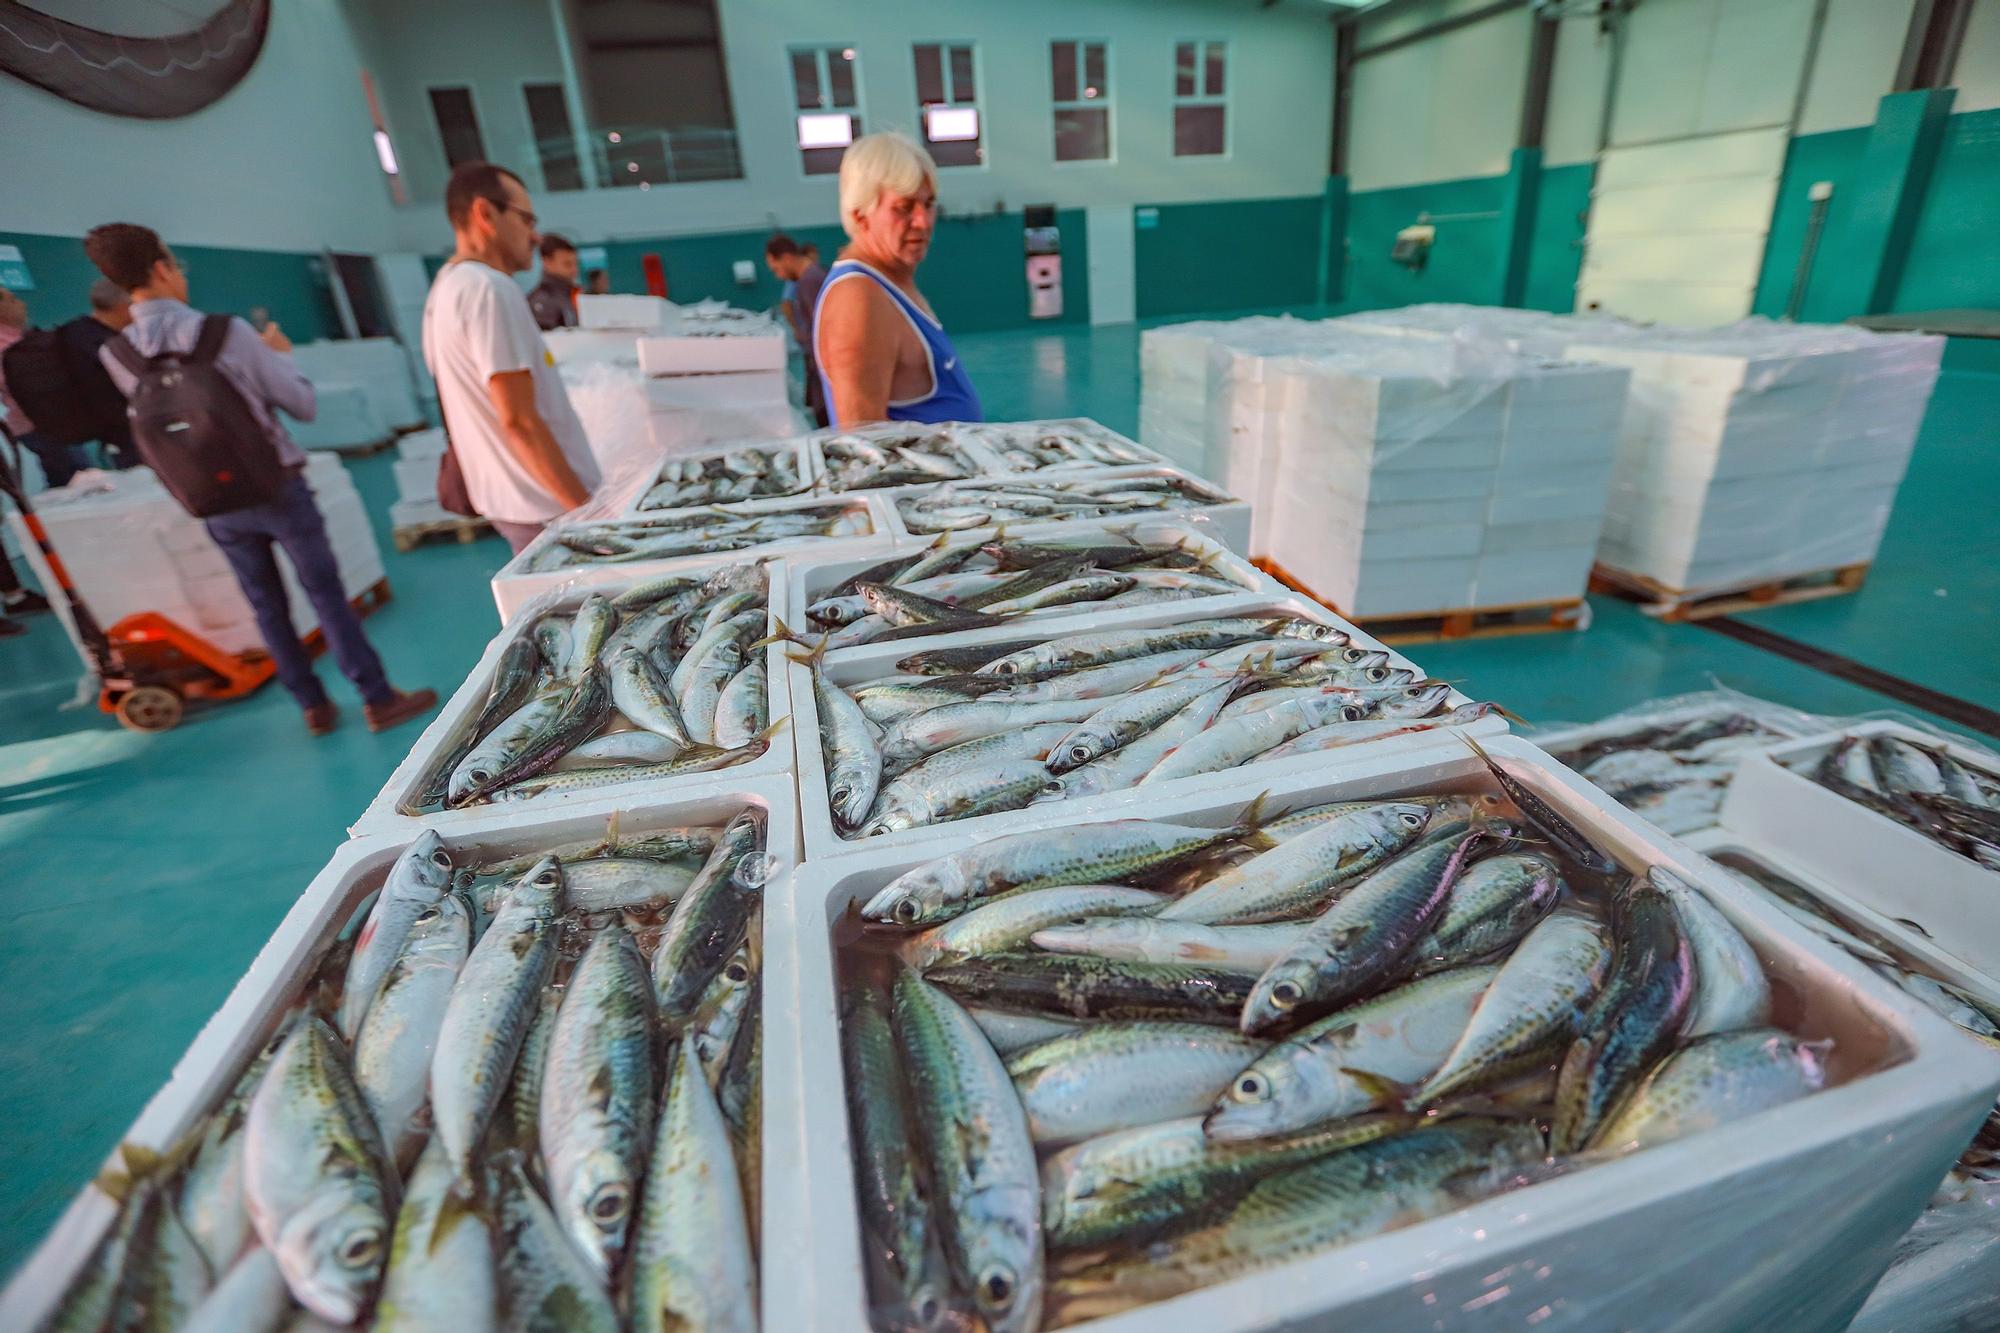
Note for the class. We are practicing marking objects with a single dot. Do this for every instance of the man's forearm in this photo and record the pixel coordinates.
(543, 457)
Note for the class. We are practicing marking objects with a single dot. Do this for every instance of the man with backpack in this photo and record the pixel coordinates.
(203, 393)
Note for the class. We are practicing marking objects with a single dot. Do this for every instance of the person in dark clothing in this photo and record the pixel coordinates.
(260, 367)
(553, 299)
(597, 283)
(81, 339)
(799, 270)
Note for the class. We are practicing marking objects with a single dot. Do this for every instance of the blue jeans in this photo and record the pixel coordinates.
(293, 521)
(60, 462)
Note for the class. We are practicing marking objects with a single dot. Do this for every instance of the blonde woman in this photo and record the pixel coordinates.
(882, 354)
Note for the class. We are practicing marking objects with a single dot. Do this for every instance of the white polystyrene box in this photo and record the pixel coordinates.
(623, 312)
(429, 444)
(724, 389)
(869, 662)
(461, 711)
(264, 998)
(671, 354)
(347, 418)
(578, 346)
(380, 366)
(1784, 1219)
(1882, 864)
(802, 464)
(416, 478)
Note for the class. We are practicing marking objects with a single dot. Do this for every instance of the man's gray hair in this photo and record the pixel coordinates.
(108, 295)
(882, 163)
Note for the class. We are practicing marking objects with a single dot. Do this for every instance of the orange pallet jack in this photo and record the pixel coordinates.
(149, 667)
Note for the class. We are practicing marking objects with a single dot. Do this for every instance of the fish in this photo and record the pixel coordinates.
(1634, 1019)
(1533, 1008)
(570, 715)
(1546, 819)
(849, 742)
(248, 1297)
(1114, 1076)
(743, 709)
(700, 759)
(705, 686)
(912, 797)
(1007, 922)
(1151, 939)
(1123, 767)
(711, 920)
(1106, 852)
(398, 1038)
(902, 608)
(897, 1225)
(623, 883)
(1296, 876)
(913, 738)
(1126, 719)
(719, 1017)
(166, 1275)
(1350, 1061)
(1016, 1032)
(1099, 647)
(544, 1281)
(1077, 986)
(640, 694)
(441, 1262)
(514, 679)
(884, 702)
(590, 626)
(315, 1175)
(974, 1136)
(489, 1012)
(692, 1266)
(1730, 989)
(596, 1117)
(1492, 905)
(1363, 939)
(621, 747)
(418, 878)
(1712, 1081)
(1009, 784)
(1229, 744)
(1069, 592)
(518, 1122)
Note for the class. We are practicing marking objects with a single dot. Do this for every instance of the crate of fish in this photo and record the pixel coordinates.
(1451, 1040)
(507, 1077)
(1036, 506)
(671, 681)
(760, 470)
(606, 551)
(969, 583)
(997, 729)
(893, 453)
(1900, 821)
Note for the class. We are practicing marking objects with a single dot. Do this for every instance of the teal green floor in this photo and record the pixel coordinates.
(143, 872)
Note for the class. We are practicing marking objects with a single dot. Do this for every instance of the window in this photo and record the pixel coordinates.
(1201, 107)
(458, 125)
(948, 99)
(656, 89)
(1080, 78)
(555, 141)
(828, 105)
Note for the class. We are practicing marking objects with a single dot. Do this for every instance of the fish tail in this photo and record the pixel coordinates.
(1387, 1092)
(1249, 826)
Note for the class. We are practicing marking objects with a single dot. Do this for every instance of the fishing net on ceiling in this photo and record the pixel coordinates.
(147, 77)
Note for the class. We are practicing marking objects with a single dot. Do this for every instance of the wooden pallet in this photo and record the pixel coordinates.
(1656, 599)
(408, 538)
(373, 597)
(1486, 622)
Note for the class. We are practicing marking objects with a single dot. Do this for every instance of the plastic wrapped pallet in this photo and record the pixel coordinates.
(348, 418)
(380, 366)
(1175, 382)
(623, 312)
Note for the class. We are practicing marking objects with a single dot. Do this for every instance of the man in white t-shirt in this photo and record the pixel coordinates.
(517, 439)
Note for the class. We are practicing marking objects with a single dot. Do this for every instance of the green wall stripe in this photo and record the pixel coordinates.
(1238, 254)
(1463, 263)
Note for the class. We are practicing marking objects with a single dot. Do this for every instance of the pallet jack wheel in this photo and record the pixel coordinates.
(150, 708)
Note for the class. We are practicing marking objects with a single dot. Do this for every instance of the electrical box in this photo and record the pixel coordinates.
(1043, 241)
(1413, 246)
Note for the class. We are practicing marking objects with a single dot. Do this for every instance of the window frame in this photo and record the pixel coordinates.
(478, 120)
(977, 102)
(1104, 103)
(823, 53)
(541, 167)
(1201, 97)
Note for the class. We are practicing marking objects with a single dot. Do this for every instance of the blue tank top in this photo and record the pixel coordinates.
(952, 397)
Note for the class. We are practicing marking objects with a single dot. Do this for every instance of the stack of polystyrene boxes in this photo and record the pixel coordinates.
(129, 547)
(379, 367)
(1748, 454)
(1176, 377)
(716, 374)
(416, 470)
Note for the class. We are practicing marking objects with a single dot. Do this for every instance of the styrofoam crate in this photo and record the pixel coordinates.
(519, 582)
(814, 579)
(380, 366)
(623, 311)
(416, 478)
(867, 662)
(1785, 1218)
(456, 718)
(1874, 862)
(262, 999)
(725, 389)
(1845, 911)
(678, 354)
(577, 346)
(802, 464)
(1230, 515)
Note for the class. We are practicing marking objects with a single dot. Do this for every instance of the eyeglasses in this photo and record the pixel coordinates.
(506, 207)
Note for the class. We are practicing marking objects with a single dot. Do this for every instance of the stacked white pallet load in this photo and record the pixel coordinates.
(1753, 453)
(1174, 383)
(416, 469)
(716, 373)
(129, 547)
(366, 390)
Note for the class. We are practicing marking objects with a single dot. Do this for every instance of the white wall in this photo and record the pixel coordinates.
(1280, 75)
(284, 161)
(1978, 72)
(1709, 66)
(1441, 109)
(1855, 64)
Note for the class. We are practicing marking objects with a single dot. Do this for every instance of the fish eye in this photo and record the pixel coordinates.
(1080, 753)
(1351, 713)
(927, 1309)
(1377, 674)
(546, 877)
(361, 1249)
(428, 915)
(1251, 1088)
(1004, 669)
(441, 859)
(1286, 994)
(1053, 787)
(905, 911)
(1412, 819)
(480, 774)
(1079, 921)
(996, 1287)
(736, 972)
(610, 1204)
(840, 794)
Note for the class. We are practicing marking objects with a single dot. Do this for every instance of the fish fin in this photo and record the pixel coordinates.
(1387, 1092)
(460, 1202)
(1512, 716)
(783, 634)
(600, 1087)
(1249, 826)
(764, 737)
(943, 538)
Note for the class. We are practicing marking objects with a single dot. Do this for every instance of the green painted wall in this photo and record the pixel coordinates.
(975, 277)
(1833, 156)
(1555, 246)
(1951, 256)
(1240, 254)
(1464, 262)
(290, 287)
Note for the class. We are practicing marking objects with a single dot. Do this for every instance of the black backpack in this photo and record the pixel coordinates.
(38, 379)
(195, 430)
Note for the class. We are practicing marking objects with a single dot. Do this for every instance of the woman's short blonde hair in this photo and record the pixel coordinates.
(876, 164)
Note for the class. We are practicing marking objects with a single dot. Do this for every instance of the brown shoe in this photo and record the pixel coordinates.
(399, 708)
(321, 718)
